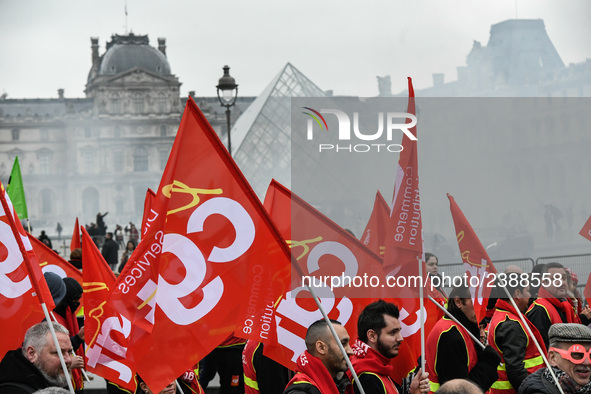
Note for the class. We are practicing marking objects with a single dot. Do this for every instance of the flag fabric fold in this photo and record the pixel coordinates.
(209, 244)
(16, 191)
(478, 265)
(374, 235)
(50, 261)
(75, 242)
(106, 332)
(22, 286)
(404, 238)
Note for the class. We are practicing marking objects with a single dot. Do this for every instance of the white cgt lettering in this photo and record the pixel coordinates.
(168, 295)
(12, 261)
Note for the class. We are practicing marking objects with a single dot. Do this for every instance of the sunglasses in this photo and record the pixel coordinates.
(576, 354)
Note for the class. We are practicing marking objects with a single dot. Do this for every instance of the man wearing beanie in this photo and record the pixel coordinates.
(569, 356)
(57, 287)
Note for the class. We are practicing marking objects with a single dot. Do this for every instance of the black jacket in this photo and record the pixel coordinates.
(536, 383)
(19, 376)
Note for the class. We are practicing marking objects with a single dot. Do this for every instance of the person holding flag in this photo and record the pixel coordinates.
(551, 306)
(320, 369)
(379, 332)
(451, 352)
(509, 337)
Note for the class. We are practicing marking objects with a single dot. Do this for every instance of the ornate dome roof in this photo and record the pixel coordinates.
(131, 51)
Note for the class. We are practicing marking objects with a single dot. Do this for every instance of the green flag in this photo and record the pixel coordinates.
(16, 191)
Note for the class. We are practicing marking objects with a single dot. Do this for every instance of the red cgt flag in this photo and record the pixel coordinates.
(321, 248)
(146, 218)
(22, 286)
(477, 263)
(374, 235)
(53, 262)
(586, 230)
(404, 239)
(209, 244)
(106, 332)
(75, 242)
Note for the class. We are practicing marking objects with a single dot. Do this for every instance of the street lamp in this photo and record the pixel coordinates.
(229, 89)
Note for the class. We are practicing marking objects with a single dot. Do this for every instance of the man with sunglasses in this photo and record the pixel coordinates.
(569, 355)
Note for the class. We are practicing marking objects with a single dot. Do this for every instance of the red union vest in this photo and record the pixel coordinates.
(533, 360)
(251, 385)
(442, 326)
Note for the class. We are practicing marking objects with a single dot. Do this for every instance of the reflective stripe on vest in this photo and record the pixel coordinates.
(387, 388)
(251, 383)
(434, 386)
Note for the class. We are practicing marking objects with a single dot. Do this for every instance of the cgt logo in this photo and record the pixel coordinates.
(388, 122)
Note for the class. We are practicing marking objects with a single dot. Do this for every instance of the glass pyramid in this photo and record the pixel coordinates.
(261, 137)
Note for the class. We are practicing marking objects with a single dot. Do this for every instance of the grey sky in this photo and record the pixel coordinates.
(341, 45)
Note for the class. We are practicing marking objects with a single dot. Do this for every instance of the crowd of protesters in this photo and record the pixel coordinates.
(505, 352)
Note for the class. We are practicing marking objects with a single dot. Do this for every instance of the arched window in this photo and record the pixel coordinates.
(140, 159)
(90, 202)
(138, 103)
(115, 103)
(46, 201)
(161, 102)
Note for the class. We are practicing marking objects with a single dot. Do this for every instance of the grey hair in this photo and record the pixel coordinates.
(52, 390)
(36, 336)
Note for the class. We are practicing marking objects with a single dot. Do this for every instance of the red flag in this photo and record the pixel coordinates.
(210, 243)
(50, 261)
(321, 248)
(374, 235)
(478, 265)
(147, 217)
(586, 230)
(106, 333)
(587, 290)
(75, 243)
(22, 285)
(404, 239)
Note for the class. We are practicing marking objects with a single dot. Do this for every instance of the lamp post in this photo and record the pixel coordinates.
(229, 89)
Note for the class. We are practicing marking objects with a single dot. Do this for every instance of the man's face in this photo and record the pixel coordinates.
(555, 279)
(579, 372)
(466, 306)
(432, 265)
(521, 298)
(388, 340)
(333, 359)
(47, 359)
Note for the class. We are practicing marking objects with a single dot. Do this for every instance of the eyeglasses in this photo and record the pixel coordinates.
(576, 354)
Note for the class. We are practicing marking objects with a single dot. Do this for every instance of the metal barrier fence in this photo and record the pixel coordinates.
(580, 264)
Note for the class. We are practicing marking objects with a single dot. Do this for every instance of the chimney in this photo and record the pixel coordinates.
(162, 45)
(95, 51)
(438, 79)
(192, 94)
(60, 94)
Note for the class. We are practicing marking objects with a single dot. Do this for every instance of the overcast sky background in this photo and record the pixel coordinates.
(340, 45)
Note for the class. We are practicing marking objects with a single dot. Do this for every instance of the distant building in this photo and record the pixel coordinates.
(518, 61)
(81, 156)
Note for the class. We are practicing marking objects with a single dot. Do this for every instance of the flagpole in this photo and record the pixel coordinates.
(336, 337)
(421, 315)
(531, 334)
(457, 322)
(35, 284)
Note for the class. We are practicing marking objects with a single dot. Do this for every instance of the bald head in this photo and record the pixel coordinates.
(459, 386)
(513, 268)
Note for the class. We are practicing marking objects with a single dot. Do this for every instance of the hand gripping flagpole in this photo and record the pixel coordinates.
(531, 335)
(21, 246)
